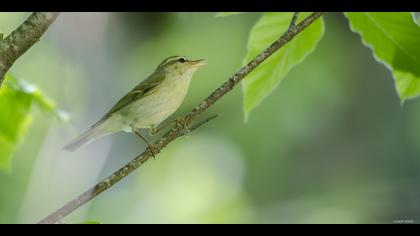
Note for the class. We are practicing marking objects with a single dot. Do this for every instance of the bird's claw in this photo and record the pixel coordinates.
(182, 123)
(153, 131)
(153, 150)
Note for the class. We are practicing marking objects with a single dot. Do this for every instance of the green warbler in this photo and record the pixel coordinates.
(148, 104)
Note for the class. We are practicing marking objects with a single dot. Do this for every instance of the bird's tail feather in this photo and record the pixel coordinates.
(85, 138)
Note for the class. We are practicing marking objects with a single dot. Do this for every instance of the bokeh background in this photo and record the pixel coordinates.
(332, 144)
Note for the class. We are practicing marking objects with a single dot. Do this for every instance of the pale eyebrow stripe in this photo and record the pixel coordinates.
(172, 59)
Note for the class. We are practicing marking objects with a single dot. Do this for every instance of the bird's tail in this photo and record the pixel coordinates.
(85, 138)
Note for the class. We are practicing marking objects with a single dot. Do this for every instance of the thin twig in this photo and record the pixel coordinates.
(189, 130)
(176, 130)
(22, 38)
(294, 19)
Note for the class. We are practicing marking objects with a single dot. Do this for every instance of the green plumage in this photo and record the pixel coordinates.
(143, 89)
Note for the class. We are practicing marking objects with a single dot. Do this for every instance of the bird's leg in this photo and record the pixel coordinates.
(150, 146)
(180, 122)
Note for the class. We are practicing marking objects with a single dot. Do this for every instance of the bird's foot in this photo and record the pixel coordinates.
(153, 150)
(182, 123)
(153, 130)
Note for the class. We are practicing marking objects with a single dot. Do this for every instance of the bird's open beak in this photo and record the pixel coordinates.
(198, 63)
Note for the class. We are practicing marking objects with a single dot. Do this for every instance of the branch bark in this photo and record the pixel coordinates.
(177, 131)
(22, 38)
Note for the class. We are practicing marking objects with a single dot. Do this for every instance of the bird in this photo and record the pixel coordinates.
(146, 105)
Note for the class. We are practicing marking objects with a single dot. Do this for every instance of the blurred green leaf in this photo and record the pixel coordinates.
(416, 17)
(16, 98)
(394, 39)
(266, 77)
(40, 99)
(223, 14)
(14, 120)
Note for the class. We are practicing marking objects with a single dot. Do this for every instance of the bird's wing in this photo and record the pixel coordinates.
(145, 88)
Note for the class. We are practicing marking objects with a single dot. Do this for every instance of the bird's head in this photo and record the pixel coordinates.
(180, 65)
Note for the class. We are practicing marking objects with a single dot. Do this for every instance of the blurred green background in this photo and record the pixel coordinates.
(331, 145)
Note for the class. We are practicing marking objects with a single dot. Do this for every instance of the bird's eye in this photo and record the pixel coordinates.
(182, 60)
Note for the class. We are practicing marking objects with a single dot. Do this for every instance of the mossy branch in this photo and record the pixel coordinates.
(22, 38)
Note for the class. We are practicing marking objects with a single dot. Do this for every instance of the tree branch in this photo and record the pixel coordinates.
(178, 131)
(22, 38)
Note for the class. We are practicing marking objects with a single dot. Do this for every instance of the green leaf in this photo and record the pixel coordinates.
(14, 120)
(16, 99)
(40, 99)
(267, 76)
(223, 14)
(395, 41)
